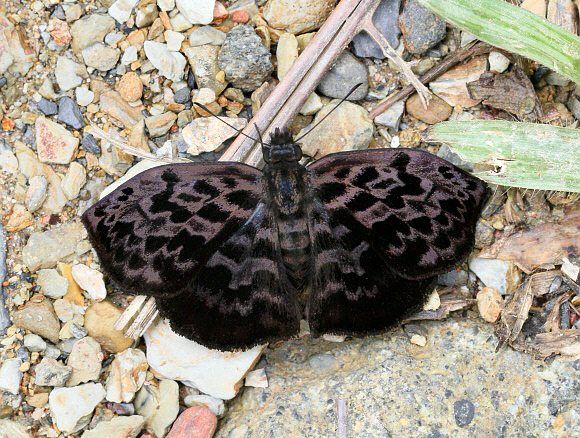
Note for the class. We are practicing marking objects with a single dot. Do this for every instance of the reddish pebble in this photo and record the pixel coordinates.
(195, 422)
(220, 13)
(240, 17)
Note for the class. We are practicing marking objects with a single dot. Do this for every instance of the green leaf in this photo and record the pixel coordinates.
(514, 29)
(527, 155)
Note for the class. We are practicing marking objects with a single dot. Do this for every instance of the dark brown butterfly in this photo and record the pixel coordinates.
(236, 256)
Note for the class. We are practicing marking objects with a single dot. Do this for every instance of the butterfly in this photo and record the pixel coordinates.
(236, 256)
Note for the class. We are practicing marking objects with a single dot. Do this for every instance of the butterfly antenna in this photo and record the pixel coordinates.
(352, 90)
(223, 121)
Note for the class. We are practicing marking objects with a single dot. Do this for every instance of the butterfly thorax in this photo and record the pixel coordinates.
(287, 192)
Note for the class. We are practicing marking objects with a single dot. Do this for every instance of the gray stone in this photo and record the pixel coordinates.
(52, 284)
(10, 375)
(346, 72)
(67, 73)
(421, 28)
(183, 95)
(89, 143)
(101, 57)
(47, 107)
(72, 408)
(386, 20)
(50, 372)
(89, 30)
(69, 113)
(34, 342)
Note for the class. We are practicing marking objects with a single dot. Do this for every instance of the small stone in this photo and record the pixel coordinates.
(196, 11)
(90, 29)
(240, 16)
(126, 376)
(101, 57)
(451, 85)
(38, 400)
(47, 107)
(85, 360)
(129, 55)
(297, 16)
(257, 379)
(91, 281)
(64, 309)
(99, 320)
(159, 405)
(10, 375)
(121, 9)
(71, 408)
(19, 219)
(161, 124)
(70, 114)
(183, 95)
(496, 274)
(84, 96)
(166, 5)
(170, 64)
(537, 7)
(464, 411)
(215, 405)
(8, 161)
(146, 13)
(39, 318)
(346, 72)
(421, 28)
(34, 342)
(179, 23)
(74, 180)
(67, 73)
(286, 53)
(51, 283)
(392, 116)
(206, 35)
(50, 372)
(386, 20)
(489, 303)
(114, 105)
(195, 422)
(89, 144)
(419, 340)
(173, 40)
(312, 105)
(437, 110)
(204, 63)
(206, 134)
(117, 427)
(46, 90)
(244, 59)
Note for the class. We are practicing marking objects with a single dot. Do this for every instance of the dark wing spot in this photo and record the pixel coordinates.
(213, 213)
(342, 173)
(331, 190)
(361, 202)
(365, 176)
(170, 177)
(180, 216)
(204, 188)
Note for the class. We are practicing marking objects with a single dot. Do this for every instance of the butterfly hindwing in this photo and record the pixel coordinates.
(241, 296)
(153, 233)
(354, 291)
(416, 209)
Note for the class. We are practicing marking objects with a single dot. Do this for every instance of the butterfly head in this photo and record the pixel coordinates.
(282, 148)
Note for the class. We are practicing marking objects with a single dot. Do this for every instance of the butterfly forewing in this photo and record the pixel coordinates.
(417, 210)
(153, 233)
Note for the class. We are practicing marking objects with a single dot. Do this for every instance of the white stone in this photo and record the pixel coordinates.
(159, 405)
(129, 55)
(72, 408)
(84, 96)
(175, 357)
(10, 375)
(52, 284)
(312, 105)
(170, 64)
(116, 427)
(128, 371)
(34, 342)
(392, 116)
(85, 360)
(180, 24)
(257, 379)
(121, 9)
(66, 73)
(215, 405)
(492, 273)
(91, 281)
(74, 180)
(8, 161)
(166, 5)
(196, 11)
(206, 134)
(173, 40)
(206, 35)
(498, 62)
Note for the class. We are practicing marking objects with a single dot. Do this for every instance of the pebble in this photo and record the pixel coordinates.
(47, 107)
(173, 40)
(44, 249)
(117, 427)
(206, 35)
(121, 9)
(537, 7)
(386, 20)
(67, 73)
(286, 53)
(99, 319)
(101, 57)
(464, 412)
(114, 105)
(89, 30)
(257, 379)
(74, 179)
(170, 64)
(84, 96)
(159, 405)
(196, 11)
(204, 63)
(421, 28)
(71, 408)
(177, 358)
(489, 303)
(55, 143)
(51, 372)
(498, 63)
(355, 130)
(215, 405)
(312, 105)
(451, 85)
(89, 143)
(39, 318)
(161, 124)
(297, 16)
(51, 283)
(146, 13)
(493, 273)
(183, 95)
(206, 134)
(8, 161)
(195, 422)
(64, 309)
(10, 375)
(346, 72)
(20, 218)
(34, 342)
(437, 111)
(85, 360)
(392, 116)
(180, 23)
(126, 376)
(70, 114)
(91, 281)
(244, 59)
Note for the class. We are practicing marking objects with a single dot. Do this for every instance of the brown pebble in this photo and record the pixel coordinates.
(130, 87)
(240, 17)
(195, 422)
(437, 111)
